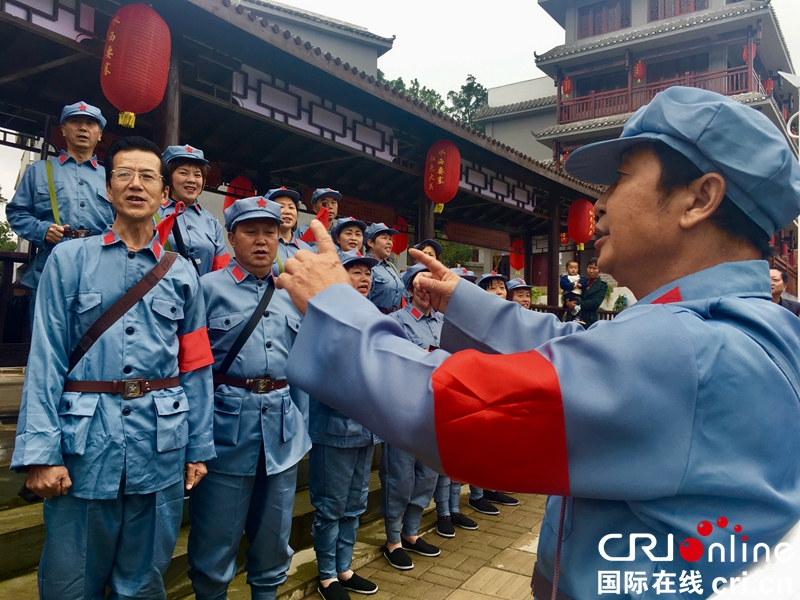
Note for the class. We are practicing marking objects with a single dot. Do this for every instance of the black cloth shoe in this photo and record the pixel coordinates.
(444, 527)
(421, 547)
(500, 498)
(398, 558)
(482, 505)
(334, 591)
(460, 520)
(359, 585)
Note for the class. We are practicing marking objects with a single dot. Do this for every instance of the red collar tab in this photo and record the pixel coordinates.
(109, 238)
(358, 254)
(416, 313)
(674, 295)
(94, 162)
(63, 157)
(157, 248)
(238, 273)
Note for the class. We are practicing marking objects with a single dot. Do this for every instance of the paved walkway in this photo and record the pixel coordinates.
(496, 561)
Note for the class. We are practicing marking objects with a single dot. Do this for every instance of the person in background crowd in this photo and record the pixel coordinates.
(447, 495)
(339, 467)
(407, 484)
(63, 197)
(106, 436)
(778, 280)
(519, 292)
(571, 281)
(387, 286)
(465, 273)
(494, 283)
(430, 247)
(196, 233)
(594, 295)
(348, 234)
(572, 308)
(329, 199)
(260, 423)
(289, 241)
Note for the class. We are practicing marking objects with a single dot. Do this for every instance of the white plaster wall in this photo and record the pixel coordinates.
(521, 91)
(516, 132)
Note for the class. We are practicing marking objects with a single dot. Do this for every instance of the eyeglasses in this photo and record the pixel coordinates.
(124, 175)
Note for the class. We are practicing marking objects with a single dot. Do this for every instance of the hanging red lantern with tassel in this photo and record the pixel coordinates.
(517, 257)
(769, 86)
(745, 54)
(135, 62)
(580, 221)
(400, 240)
(443, 173)
(566, 87)
(639, 71)
(564, 239)
(239, 187)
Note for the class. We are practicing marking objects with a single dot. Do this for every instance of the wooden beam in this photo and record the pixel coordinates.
(425, 231)
(168, 113)
(43, 67)
(553, 245)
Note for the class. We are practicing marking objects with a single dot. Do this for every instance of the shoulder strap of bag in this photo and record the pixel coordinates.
(244, 335)
(121, 306)
(51, 186)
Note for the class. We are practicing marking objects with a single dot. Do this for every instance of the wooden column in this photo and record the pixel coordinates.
(750, 85)
(527, 272)
(168, 113)
(425, 228)
(553, 245)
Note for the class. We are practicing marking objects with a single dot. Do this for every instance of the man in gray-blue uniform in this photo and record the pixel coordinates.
(407, 484)
(329, 199)
(387, 286)
(260, 423)
(105, 436)
(63, 197)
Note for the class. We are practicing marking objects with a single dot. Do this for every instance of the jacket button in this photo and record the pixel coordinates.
(259, 283)
(269, 344)
(266, 314)
(127, 369)
(82, 204)
(80, 182)
(131, 254)
(68, 405)
(189, 228)
(173, 309)
(227, 321)
(263, 410)
(220, 403)
(191, 250)
(126, 411)
(130, 330)
(176, 404)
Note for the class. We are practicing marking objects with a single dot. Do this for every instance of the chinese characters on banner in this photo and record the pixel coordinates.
(635, 582)
(110, 38)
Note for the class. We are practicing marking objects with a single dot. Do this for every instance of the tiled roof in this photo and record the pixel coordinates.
(664, 26)
(507, 109)
(349, 27)
(621, 119)
(271, 33)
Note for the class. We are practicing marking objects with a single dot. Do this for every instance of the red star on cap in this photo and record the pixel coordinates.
(494, 272)
(358, 254)
(464, 270)
(189, 149)
(82, 106)
(262, 203)
(283, 187)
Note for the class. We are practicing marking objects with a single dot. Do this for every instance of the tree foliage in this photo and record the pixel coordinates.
(8, 240)
(463, 104)
(455, 254)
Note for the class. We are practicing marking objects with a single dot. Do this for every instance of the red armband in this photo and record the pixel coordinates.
(509, 405)
(220, 262)
(194, 351)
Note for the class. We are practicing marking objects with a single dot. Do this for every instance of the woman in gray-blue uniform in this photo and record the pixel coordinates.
(348, 235)
(387, 286)
(339, 468)
(406, 483)
(289, 241)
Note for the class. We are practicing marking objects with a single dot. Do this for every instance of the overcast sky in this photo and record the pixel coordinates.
(440, 43)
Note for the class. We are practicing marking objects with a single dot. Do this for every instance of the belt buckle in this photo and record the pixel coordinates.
(262, 386)
(132, 388)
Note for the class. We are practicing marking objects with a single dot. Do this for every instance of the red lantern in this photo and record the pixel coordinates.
(564, 160)
(443, 172)
(135, 65)
(566, 87)
(564, 239)
(400, 240)
(639, 71)
(785, 114)
(745, 53)
(517, 257)
(769, 86)
(580, 221)
(239, 187)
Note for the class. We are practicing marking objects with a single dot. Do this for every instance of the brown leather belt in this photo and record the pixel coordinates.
(542, 588)
(260, 385)
(78, 233)
(128, 388)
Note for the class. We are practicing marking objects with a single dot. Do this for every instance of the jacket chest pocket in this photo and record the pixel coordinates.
(75, 413)
(43, 205)
(172, 420)
(85, 309)
(167, 315)
(292, 327)
(227, 412)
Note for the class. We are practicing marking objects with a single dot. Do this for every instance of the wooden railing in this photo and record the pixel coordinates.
(616, 102)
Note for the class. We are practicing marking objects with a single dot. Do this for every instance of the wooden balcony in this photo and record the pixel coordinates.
(729, 82)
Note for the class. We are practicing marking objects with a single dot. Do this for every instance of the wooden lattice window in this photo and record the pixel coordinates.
(664, 9)
(603, 17)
